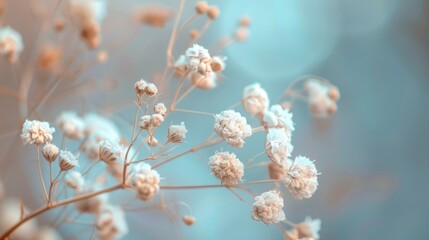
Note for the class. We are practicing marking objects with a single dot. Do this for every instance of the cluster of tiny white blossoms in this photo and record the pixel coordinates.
(145, 181)
(255, 100)
(177, 133)
(226, 167)
(36, 132)
(322, 97)
(110, 223)
(268, 208)
(71, 125)
(301, 179)
(232, 127)
(11, 44)
(308, 229)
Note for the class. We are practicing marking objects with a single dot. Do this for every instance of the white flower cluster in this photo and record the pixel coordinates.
(88, 14)
(226, 167)
(309, 228)
(278, 145)
(268, 208)
(255, 100)
(301, 179)
(322, 99)
(232, 127)
(68, 160)
(110, 223)
(144, 88)
(177, 133)
(50, 152)
(11, 44)
(198, 60)
(145, 181)
(110, 151)
(36, 132)
(72, 125)
(277, 117)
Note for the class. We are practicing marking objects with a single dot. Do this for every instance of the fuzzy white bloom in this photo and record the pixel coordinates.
(145, 122)
(255, 100)
(68, 160)
(36, 132)
(160, 108)
(11, 44)
(93, 204)
(157, 119)
(85, 11)
(198, 59)
(205, 82)
(75, 180)
(309, 228)
(218, 63)
(226, 167)
(110, 223)
(276, 171)
(278, 145)
(47, 233)
(72, 125)
(10, 214)
(151, 89)
(321, 99)
(232, 127)
(145, 181)
(277, 117)
(110, 151)
(177, 133)
(268, 208)
(140, 87)
(50, 152)
(301, 179)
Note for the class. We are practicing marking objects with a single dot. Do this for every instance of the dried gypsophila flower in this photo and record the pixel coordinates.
(301, 179)
(278, 145)
(276, 171)
(50, 152)
(232, 127)
(277, 117)
(156, 120)
(49, 57)
(145, 122)
(198, 59)
(309, 228)
(151, 89)
(36, 132)
(160, 108)
(140, 87)
(145, 181)
(218, 63)
(188, 220)
(177, 133)
(321, 98)
(205, 82)
(74, 180)
(201, 7)
(226, 167)
(110, 223)
(68, 160)
(71, 125)
(268, 208)
(11, 44)
(110, 151)
(255, 100)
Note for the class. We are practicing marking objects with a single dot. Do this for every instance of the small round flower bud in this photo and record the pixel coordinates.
(213, 12)
(194, 33)
(145, 181)
(287, 105)
(68, 160)
(301, 179)
(74, 180)
(145, 122)
(242, 34)
(177, 133)
(157, 119)
(160, 109)
(245, 21)
(226, 167)
(268, 208)
(59, 25)
(334, 94)
(50, 152)
(309, 229)
(140, 87)
(201, 7)
(188, 220)
(151, 89)
(218, 64)
(255, 99)
(110, 151)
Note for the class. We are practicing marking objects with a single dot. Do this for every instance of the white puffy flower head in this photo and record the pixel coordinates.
(160, 108)
(277, 117)
(232, 127)
(278, 145)
(11, 44)
(321, 100)
(110, 223)
(309, 228)
(36, 132)
(226, 167)
(110, 151)
(268, 208)
(301, 179)
(74, 180)
(68, 160)
(255, 100)
(50, 152)
(198, 59)
(218, 63)
(72, 125)
(181, 66)
(177, 133)
(145, 181)
(157, 119)
(205, 82)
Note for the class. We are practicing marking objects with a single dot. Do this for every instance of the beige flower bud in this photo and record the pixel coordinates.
(50, 152)
(188, 220)
(213, 12)
(201, 7)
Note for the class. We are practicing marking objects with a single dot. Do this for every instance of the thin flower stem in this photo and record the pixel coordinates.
(192, 111)
(52, 185)
(173, 33)
(39, 168)
(173, 104)
(290, 223)
(220, 185)
(124, 172)
(41, 210)
(203, 30)
(186, 23)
